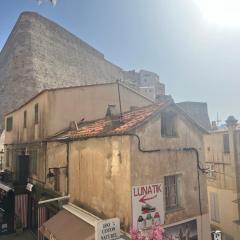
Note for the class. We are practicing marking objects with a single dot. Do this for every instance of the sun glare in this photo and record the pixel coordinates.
(221, 12)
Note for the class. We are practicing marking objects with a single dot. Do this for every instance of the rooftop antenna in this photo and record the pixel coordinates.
(218, 120)
(119, 99)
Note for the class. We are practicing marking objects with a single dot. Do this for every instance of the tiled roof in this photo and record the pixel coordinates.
(107, 126)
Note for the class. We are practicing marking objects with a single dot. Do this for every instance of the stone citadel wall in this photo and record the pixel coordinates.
(40, 54)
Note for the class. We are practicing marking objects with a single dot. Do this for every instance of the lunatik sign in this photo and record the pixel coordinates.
(147, 205)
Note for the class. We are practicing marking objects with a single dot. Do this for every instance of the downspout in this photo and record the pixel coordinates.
(67, 169)
(190, 149)
(186, 149)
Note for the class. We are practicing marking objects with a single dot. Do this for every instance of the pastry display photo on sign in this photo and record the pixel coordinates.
(147, 205)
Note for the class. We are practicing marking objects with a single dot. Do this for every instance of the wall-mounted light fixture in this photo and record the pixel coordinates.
(51, 174)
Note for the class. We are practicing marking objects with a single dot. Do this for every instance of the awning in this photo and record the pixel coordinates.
(66, 226)
(5, 187)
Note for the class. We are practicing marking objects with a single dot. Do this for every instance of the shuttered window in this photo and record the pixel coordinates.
(168, 124)
(226, 146)
(172, 191)
(25, 119)
(7, 158)
(9, 124)
(214, 204)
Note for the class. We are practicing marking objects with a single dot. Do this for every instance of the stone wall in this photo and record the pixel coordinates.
(40, 54)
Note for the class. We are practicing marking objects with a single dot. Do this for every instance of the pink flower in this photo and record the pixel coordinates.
(155, 233)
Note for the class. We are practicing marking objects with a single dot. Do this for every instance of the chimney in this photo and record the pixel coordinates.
(214, 125)
(113, 116)
(73, 126)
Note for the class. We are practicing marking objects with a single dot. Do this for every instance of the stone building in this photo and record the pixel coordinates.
(98, 161)
(48, 113)
(197, 111)
(222, 159)
(39, 54)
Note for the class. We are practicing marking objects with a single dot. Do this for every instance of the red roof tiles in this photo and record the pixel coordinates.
(107, 126)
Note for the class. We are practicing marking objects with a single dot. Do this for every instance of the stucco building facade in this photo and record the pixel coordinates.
(98, 160)
(222, 160)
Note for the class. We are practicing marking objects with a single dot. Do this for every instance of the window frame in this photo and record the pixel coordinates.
(7, 162)
(177, 191)
(226, 143)
(25, 119)
(9, 124)
(36, 113)
(165, 124)
(214, 207)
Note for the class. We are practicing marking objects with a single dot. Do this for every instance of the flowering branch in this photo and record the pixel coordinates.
(155, 233)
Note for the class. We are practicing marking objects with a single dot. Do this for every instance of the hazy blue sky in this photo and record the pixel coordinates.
(197, 60)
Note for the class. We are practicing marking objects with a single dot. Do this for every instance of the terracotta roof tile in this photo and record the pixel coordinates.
(129, 120)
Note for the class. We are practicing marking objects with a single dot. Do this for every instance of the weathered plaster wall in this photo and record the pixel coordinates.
(152, 167)
(223, 162)
(228, 212)
(56, 158)
(33, 131)
(88, 102)
(58, 107)
(224, 180)
(99, 175)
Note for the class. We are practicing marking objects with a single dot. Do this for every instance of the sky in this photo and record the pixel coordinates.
(194, 48)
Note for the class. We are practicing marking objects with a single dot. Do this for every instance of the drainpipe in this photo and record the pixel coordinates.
(67, 169)
(185, 149)
(181, 149)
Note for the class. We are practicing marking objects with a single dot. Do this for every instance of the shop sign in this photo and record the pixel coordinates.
(29, 187)
(217, 235)
(108, 229)
(147, 205)
(186, 230)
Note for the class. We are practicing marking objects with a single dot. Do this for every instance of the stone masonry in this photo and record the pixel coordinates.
(40, 54)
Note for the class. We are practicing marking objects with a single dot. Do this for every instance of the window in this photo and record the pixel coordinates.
(210, 171)
(33, 161)
(226, 146)
(25, 119)
(57, 179)
(36, 113)
(214, 207)
(168, 124)
(9, 124)
(172, 191)
(7, 158)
